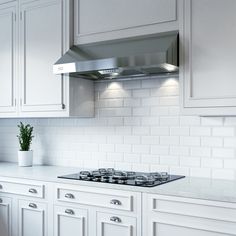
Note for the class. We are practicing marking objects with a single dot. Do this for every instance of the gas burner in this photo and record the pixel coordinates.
(113, 176)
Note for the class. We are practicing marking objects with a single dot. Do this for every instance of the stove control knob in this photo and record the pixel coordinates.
(115, 219)
(115, 202)
(69, 195)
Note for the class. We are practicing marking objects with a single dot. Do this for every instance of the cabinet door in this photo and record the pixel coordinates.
(103, 19)
(115, 225)
(207, 37)
(43, 39)
(8, 41)
(5, 216)
(70, 221)
(32, 219)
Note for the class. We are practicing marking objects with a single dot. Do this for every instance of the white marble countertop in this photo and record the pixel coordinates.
(201, 188)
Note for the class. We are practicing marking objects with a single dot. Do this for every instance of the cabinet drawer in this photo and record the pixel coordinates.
(117, 200)
(194, 208)
(31, 190)
(109, 224)
(187, 214)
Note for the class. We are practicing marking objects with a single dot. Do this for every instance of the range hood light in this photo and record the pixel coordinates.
(112, 72)
(170, 67)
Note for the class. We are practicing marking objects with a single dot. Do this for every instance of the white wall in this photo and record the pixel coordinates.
(138, 127)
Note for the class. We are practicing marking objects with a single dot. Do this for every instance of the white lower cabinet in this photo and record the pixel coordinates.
(32, 218)
(5, 216)
(115, 225)
(70, 221)
(63, 210)
(165, 216)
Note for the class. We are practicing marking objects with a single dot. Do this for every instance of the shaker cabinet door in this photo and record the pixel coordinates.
(103, 19)
(32, 219)
(109, 224)
(8, 43)
(5, 216)
(208, 36)
(70, 221)
(42, 43)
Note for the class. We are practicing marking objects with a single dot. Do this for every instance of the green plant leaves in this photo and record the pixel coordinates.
(25, 136)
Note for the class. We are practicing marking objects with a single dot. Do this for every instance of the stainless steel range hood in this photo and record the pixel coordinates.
(134, 57)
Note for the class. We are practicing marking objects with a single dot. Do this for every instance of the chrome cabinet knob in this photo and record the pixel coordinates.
(69, 195)
(32, 190)
(115, 219)
(32, 205)
(69, 211)
(115, 202)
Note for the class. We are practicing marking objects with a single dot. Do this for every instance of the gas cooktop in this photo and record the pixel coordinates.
(113, 176)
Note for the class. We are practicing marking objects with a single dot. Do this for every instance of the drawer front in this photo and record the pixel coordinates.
(31, 190)
(186, 214)
(114, 201)
(193, 207)
(116, 225)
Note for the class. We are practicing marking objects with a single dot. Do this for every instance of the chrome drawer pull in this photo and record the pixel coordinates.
(69, 195)
(32, 190)
(69, 211)
(0, 200)
(1, 186)
(115, 202)
(115, 219)
(32, 205)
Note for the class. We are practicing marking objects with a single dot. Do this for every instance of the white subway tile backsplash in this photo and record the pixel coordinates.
(212, 142)
(212, 163)
(141, 93)
(223, 152)
(200, 131)
(222, 131)
(169, 120)
(137, 126)
(179, 131)
(212, 121)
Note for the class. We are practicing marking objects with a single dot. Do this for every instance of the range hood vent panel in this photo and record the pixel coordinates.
(117, 59)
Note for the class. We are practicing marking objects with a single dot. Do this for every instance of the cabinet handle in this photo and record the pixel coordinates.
(32, 190)
(0, 200)
(32, 205)
(1, 186)
(69, 195)
(69, 211)
(115, 202)
(115, 219)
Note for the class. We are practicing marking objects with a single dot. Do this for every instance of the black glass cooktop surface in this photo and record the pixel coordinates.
(112, 176)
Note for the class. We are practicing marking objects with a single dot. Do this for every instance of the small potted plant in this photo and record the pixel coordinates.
(25, 155)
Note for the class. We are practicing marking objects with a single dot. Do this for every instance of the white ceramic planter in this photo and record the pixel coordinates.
(25, 158)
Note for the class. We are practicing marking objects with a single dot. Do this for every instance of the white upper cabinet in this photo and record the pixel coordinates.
(8, 44)
(208, 36)
(41, 44)
(103, 19)
(34, 35)
(45, 34)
